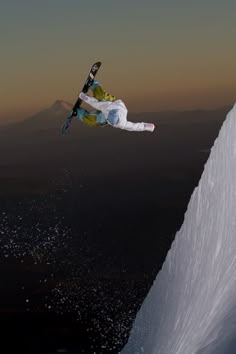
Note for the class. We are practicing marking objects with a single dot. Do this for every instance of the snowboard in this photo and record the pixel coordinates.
(88, 82)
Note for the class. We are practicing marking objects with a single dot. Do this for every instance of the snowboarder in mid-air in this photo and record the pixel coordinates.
(108, 110)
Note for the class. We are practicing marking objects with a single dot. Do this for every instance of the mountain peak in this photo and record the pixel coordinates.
(61, 105)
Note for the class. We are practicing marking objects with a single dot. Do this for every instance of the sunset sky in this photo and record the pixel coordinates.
(156, 54)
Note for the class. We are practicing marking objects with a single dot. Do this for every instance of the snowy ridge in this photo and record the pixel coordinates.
(191, 307)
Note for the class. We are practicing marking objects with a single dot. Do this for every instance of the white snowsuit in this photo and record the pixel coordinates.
(106, 106)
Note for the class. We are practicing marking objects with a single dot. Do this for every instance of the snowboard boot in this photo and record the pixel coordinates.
(81, 113)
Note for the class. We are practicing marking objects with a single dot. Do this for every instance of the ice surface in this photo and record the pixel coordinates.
(191, 307)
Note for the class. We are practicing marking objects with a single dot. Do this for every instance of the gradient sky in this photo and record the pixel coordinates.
(156, 54)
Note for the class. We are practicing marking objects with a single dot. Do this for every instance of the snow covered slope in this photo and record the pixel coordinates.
(191, 307)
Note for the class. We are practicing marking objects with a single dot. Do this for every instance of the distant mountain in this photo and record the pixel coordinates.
(185, 117)
(44, 123)
(53, 117)
(45, 126)
(54, 114)
(36, 146)
(61, 106)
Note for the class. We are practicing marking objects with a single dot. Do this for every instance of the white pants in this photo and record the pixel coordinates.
(106, 106)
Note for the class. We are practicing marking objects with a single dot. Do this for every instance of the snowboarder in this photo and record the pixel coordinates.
(109, 111)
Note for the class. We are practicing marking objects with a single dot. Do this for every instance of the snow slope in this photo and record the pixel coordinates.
(191, 307)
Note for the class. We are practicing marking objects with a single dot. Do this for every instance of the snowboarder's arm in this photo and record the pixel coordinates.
(99, 105)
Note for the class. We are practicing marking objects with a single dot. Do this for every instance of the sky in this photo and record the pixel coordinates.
(156, 54)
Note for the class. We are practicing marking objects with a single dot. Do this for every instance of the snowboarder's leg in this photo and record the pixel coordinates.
(91, 118)
(99, 93)
(100, 118)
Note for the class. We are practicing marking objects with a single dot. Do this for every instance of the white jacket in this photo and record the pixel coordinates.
(106, 106)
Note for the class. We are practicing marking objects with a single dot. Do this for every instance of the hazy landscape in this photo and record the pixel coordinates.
(87, 220)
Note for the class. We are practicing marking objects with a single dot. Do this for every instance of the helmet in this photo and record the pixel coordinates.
(113, 117)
